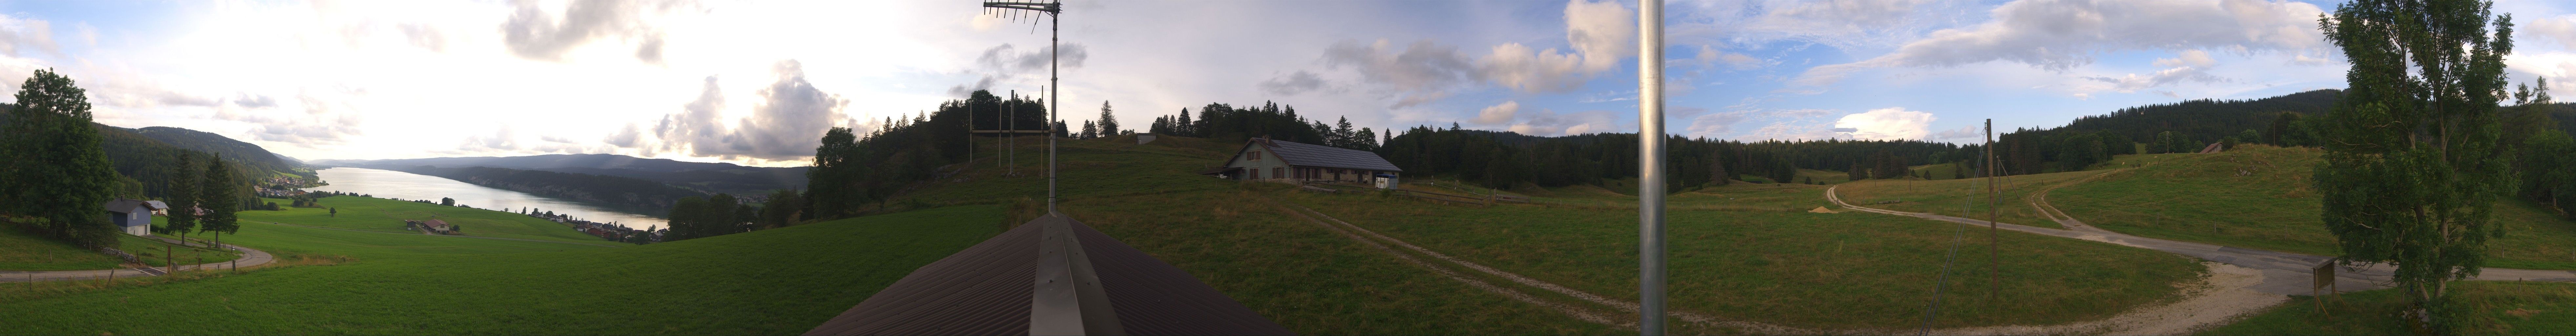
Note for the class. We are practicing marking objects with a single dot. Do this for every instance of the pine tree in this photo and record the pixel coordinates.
(1108, 122)
(184, 184)
(1341, 136)
(1089, 130)
(2412, 170)
(221, 197)
(1183, 126)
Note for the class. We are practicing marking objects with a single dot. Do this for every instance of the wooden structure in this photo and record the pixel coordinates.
(131, 216)
(1265, 159)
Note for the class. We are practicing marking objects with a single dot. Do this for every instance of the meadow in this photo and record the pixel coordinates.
(384, 215)
(2260, 197)
(778, 281)
(1751, 252)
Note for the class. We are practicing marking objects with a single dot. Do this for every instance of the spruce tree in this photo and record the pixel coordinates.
(185, 184)
(221, 197)
(2412, 168)
(1108, 122)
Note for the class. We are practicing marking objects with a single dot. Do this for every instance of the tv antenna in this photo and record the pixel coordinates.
(1055, 32)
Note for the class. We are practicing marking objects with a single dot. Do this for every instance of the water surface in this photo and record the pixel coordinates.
(409, 186)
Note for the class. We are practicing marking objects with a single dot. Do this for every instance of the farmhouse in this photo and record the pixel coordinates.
(430, 226)
(1265, 159)
(133, 216)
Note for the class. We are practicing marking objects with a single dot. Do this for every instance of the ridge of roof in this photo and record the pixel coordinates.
(1303, 154)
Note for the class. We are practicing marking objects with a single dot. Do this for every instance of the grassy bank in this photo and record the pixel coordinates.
(2261, 197)
(384, 215)
(2497, 308)
(24, 251)
(779, 281)
(1962, 197)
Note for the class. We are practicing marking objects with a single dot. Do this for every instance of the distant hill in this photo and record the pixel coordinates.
(2205, 118)
(640, 195)
(713, 177)
(248, 154)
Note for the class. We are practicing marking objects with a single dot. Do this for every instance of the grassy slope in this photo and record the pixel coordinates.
(24, 251)
(376, 214)
(2259, 197)
(1222, 232)
(2499, 308)
(779, 281)
(1961, 197)
(1751, 252)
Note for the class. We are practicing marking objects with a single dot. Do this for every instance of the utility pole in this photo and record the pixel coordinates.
(1994, 263)
(1011, 155)
(1650, 167)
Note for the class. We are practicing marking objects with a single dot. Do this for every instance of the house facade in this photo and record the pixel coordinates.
(1265, 159)
(133, 217)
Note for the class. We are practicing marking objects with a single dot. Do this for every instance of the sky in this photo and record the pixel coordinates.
(756, 83)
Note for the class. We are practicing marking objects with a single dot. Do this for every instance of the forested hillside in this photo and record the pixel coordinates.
(260, 160)
(636, 194)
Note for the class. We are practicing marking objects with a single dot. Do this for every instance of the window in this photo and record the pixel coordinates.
(1256, 155)
(1278, 172)
(1256, 173)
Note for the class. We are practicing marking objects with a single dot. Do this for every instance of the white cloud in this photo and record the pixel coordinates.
(1498, 113)
(19, 35)
(782, 127)
(2058, 36)
(1602, 34)
(1894, 123)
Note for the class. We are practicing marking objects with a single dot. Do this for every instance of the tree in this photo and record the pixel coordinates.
(57, 172)
(446, 201)
(685, 218)
(182, 196)
(1089, 130)
(2530, 115)
(1857, 172)
(1108, 122)
(2412, 168)
(832, 185)
(221, 197)
(335, 211)
(2279, 133)
(2548, 166)
(781, 209)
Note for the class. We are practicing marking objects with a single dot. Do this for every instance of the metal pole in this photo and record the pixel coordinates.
(1055, 25)
(1011, 161)
(1994, 263)
(1650, 167)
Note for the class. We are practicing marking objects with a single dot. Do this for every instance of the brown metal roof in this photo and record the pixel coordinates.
(987, 289)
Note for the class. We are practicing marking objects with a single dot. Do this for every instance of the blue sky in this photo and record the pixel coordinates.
(757, 82)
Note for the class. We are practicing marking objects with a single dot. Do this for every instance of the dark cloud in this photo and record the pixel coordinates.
(782, 126)
(532, 33)
(961, 90)
(1006, 58)
(1293, 84)
(1421, 71)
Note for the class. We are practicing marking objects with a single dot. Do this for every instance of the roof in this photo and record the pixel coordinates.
(1299, 154)
(125, 205)
(435, 222)
(157, 205)
(993, 288)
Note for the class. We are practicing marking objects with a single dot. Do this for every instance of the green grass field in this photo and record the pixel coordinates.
(2259, 197)
(24, 251)
(2499, 308)
(1751, 252)
(779, 281)
(377, 214)
(1962, 197)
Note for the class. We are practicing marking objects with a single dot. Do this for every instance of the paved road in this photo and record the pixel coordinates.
(250, 257)
(2283, 272)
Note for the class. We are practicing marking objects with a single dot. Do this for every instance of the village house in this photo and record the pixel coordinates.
(431, 226)
(133, 217)
(1265, 159)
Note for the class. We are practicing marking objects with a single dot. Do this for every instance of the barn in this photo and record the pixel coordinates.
(1265, 159)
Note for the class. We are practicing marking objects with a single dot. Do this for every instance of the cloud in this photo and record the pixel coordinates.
(1969, 132)
(2561, 29)
(2057, 36)
(1420, 69)
(1004, 62)
(501, 140)
(1710, 56)
(533, 33)
(782, 126)
(1716, 123)
(424, 36)
(1293, 84)
(324, 122)
(247, 100)
(1499, 113)
(2133, 82)
(1894, 123)
(627, 137)
(1601, 33)
(23, 34)
(2185, 58)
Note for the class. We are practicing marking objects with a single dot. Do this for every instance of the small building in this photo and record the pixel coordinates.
(134, 217)
(438, 227)
(1265, 159)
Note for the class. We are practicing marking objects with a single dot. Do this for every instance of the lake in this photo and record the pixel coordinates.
(409, 186)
